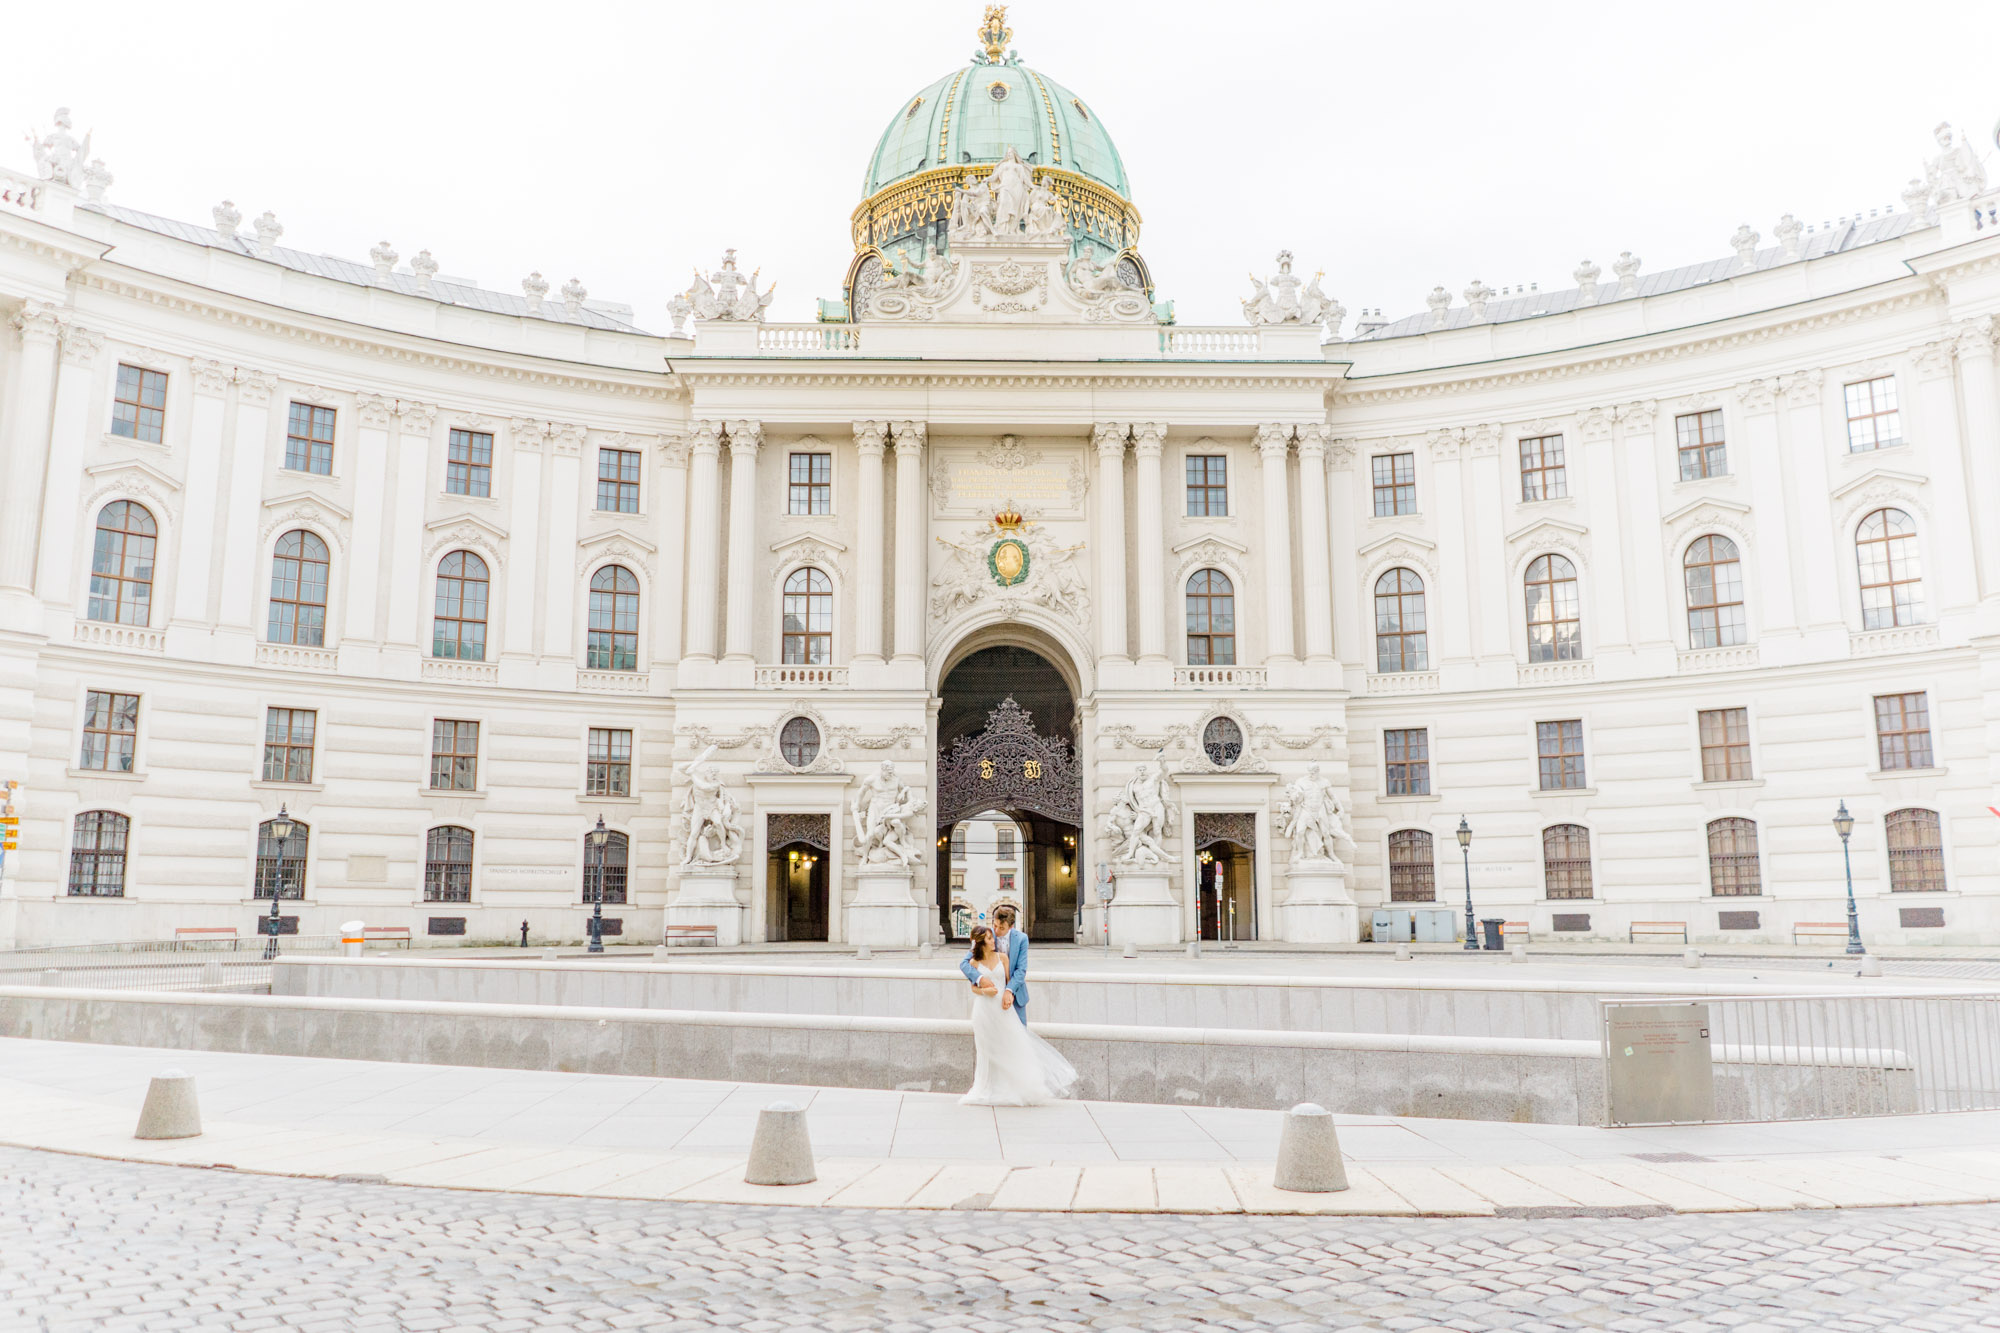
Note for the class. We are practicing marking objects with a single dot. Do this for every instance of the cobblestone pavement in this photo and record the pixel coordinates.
(103, 1246)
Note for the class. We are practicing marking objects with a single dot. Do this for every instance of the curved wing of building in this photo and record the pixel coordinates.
(375, 590)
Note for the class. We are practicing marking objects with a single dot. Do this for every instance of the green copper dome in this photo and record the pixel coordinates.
(973, 115)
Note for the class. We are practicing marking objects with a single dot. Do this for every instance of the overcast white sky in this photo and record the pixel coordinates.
(1397, 146)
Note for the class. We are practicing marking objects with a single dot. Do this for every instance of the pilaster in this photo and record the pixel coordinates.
(1110, 440)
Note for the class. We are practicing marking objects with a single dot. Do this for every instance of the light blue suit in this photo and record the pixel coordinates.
(1016, 945)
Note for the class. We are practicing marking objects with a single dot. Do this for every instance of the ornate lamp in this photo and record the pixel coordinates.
(1465, 850)
(281, 831)
(1843, 824)
(597, 838)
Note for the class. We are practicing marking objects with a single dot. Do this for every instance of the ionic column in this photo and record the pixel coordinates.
(371, 477)
(1809, 527)
(1982, 419)
(1450, 609)
(565, 500)
(409, 609)
(1315, 551)
(246, 566)
(1274, 443)
(1596, 480)
(669, 514)
(1148, 442)
(1648, 441)
(704, 537)
(525, 439)
(1111, 539)
(63, 487)
(912, 527)
(27, 445)
(869, 441)
(195, 555)
(1349, 623)
(745, 438)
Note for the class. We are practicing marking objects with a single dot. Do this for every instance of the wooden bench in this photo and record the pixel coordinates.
(1638, 928)
(204, 932)
(691, 934)
(386, 933)
(1514, 930)
(1820, 930)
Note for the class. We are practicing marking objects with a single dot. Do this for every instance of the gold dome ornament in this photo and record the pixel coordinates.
(994, 34)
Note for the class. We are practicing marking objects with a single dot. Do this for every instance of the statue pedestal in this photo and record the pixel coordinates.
(707, 897)
(1143, 910)
(883, 913)
(1318, 908)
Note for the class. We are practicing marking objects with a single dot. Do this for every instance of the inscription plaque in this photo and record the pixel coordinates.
(1658, 1064)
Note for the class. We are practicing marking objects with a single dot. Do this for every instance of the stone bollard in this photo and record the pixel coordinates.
(52, 976)
(781, 1153)
(170, 1111)
(926, 949)
(661, 953)
(211, 974)
(862, 952)
(1517, 953)
(1691, 958)
(1131, 951)
(550, 955)
(1194, 948)
(1871, 966)
(1402, 953)
(1309, 1152)
(352, 937)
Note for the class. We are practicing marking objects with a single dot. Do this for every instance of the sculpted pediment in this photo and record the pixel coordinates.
(1550, 530)
(1020, 281)
(1878, 476)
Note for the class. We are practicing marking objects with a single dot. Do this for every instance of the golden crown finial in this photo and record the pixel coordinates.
(994, 33)
(1007, 519)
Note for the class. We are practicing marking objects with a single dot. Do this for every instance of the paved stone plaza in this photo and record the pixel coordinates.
(105, 1246)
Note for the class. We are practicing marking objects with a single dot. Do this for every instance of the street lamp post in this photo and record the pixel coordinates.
(1465, 850)
(281, 831)
(1843, 824)
(597, 837)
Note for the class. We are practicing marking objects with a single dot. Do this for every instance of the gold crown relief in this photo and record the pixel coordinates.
(1008, 519)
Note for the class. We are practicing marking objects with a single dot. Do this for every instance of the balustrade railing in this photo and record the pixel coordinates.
(790, 675)
(1235, 677)
(1177, 341)
(808, 338)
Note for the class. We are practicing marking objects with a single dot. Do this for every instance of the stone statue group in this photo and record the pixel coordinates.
(1007, 203)
(1136, 826)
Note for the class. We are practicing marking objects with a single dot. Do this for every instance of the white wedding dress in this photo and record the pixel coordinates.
(1011, 1065)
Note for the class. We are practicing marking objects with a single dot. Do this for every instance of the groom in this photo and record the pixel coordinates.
(1014, 945)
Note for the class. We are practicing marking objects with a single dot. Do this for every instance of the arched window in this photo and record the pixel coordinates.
(299, 572)
(606, 868)
(1566, 861)
(1714, 579)
(97, 854)
(459, 629)
(1892, 572)
(1412, 867)
(1555, 633)
(798, 743)
(1211, 619)
(448, 865)
(1732, 858)
(614, 620)
(281, 867)
(121, 565)
(808, 618)
(1916, 852)
(1222, 741)
(1401, 640)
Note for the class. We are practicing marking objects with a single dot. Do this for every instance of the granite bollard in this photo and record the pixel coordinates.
(170, 1111)
(1131, 951)
(863, 952)
(1309, 1152)
(781, 1151)
(1402, 953)
(1691, 958)
(1517, 953)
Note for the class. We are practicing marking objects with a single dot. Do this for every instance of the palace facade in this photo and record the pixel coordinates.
(1639, 582)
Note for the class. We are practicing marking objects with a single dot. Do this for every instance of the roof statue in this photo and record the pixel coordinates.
(59, 156)
(1279, 301)
(1956, 172)
(727, 294)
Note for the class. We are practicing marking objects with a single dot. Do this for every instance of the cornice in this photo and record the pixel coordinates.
(827, 373)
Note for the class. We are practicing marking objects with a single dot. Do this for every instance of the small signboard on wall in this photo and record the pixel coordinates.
(1659, 1066)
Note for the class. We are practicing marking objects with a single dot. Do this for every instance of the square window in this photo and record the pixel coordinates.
(811, 485)
(309, 439)
(1702, 453)
(139, 406)
(1873, 419)
(1207, 486)
(1725, 745)
(1407, 761)
(610, 762)
(1903, 730)
(110, 731)
(468, 468)
(1544, 474)
(618, 481)
(1559, 747)
(1395, 484)
(288, 744)
(454, 755)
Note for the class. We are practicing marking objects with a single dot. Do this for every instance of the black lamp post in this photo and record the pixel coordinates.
(281, 830)
(1843, 824)
(1465, 850)
(597, 837)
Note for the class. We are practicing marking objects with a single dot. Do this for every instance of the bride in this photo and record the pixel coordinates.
(1011, 1065)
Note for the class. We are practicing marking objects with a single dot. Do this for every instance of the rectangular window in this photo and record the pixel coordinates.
(958, 843)
(1700, 437)
(110, 731)
(1003, 848)
(1407, 761)
(1006, 882)
(1903, 730)
(1725, 745)
(1544, 476)
(1207, 486)
(288, 744)
(1395, 484)
(1560, 749)
(610, 762)
(139, 408)
(468, 467)
(1873, 419)
(618, 481)
(811, 484)
(309, 439)
(454, 755)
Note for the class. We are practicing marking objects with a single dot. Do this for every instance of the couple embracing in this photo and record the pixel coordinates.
(1011, 1065)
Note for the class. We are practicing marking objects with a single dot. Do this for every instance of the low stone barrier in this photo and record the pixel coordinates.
(1476, 1078)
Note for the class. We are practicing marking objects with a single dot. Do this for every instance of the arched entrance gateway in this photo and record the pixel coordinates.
(1009, 793)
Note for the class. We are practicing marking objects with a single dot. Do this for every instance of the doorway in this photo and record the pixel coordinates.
(1226, 885)
(797, 904)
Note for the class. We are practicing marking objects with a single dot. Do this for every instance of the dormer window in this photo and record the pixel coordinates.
(911, 113)
(1079, 108)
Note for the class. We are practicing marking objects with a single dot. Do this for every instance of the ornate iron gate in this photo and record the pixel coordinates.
(1009, 766)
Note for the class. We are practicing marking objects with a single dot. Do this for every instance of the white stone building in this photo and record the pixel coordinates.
(1640, 579)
